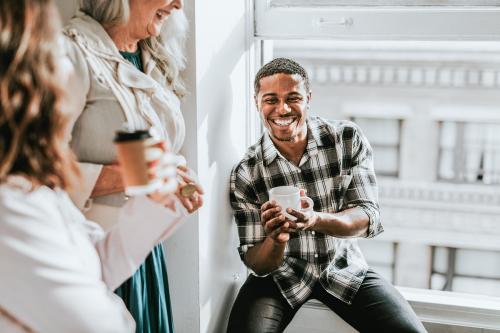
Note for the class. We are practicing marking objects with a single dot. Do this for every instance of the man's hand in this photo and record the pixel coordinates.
(276, 225)
(304, 221)
(306, 218)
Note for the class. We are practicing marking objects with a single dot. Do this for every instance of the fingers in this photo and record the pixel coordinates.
(186, 203)
(281, 233)
(296, 226)
(185, 178)
(268, 204)
(274, 223)
(183, 168)
(300, 216)
(192, 203)
(269, 213)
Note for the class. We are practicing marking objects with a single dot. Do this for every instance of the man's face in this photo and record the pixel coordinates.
(283, 103)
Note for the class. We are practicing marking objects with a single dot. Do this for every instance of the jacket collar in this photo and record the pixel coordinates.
(95, 37)
(98, 40)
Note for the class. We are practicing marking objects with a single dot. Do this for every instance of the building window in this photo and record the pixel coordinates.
(469, 152)
(467, 271)
(384, 136)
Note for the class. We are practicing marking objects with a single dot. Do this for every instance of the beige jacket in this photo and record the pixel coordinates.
(113, 94)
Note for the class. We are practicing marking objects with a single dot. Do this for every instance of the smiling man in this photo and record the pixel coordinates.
(313, 256)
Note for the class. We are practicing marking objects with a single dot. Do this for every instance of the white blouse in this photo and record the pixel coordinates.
(58, 269)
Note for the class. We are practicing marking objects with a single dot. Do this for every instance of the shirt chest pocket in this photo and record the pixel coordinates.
(340, 184)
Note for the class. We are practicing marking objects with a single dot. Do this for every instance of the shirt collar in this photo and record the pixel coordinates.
(270, 152)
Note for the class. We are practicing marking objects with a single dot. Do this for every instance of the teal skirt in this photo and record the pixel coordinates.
(146, 295)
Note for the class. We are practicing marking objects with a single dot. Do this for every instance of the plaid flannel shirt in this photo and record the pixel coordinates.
(337, 172)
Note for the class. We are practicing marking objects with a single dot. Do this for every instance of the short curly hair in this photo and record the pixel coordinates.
(281, 65)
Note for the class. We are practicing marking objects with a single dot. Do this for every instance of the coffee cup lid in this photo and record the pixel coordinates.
(122, 136)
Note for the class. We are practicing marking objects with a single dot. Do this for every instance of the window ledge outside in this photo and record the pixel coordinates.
(452, 308)
(447, 308)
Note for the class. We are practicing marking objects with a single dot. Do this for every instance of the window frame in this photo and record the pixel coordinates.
(480, 23)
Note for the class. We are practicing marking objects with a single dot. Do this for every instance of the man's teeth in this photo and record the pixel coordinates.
(283, 122)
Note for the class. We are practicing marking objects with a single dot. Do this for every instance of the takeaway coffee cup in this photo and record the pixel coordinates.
(289, 197)
(135, 149)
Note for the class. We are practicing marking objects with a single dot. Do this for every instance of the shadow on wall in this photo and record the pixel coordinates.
(219, 284)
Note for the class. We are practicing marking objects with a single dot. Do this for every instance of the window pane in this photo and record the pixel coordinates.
(383, 135)
(476, 286)
(478, 263)
(470, 152)
(385, 160)
(435, 3)
(380, 131)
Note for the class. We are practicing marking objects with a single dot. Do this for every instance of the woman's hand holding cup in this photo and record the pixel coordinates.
(147, 167)
(162, 167)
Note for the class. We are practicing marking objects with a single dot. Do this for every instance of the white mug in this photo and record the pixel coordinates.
(289, 197)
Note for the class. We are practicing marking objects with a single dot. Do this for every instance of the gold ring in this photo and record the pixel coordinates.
(188, 190)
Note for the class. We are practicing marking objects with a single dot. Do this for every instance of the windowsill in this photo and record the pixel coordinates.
(448, 308)
(452, 308)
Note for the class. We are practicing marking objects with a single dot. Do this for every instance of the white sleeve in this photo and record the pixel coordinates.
(50, 271)
(143, 224)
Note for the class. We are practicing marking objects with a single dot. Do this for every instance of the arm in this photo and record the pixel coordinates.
(355, 194)
(143, 224)
(265, 256)
(109, 181)
(263, 230)
(98, 180)
(352, 222)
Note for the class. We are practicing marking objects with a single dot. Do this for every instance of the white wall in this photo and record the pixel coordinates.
(203, 265)
(221, 58)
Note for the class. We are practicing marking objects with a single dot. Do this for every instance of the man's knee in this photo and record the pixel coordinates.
(259, 307)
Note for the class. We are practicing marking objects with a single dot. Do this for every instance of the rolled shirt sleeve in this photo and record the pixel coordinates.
(362, 191)
(246, 210)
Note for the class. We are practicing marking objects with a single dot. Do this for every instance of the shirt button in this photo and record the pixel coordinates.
(313, 233)
(315, 255)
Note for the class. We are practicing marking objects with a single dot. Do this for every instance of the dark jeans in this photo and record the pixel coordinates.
(378, 307)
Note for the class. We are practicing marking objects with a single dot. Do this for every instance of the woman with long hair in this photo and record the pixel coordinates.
(129, 55)
(58, 268)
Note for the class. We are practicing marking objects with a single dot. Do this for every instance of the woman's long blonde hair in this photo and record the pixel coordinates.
(167, 49)
(32, 124)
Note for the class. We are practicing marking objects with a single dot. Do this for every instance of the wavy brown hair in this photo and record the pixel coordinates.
(32, 124)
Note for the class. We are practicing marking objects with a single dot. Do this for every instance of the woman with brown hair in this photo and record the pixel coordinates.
(58, 269)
